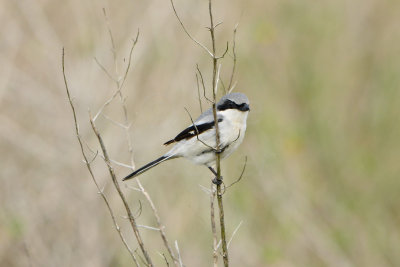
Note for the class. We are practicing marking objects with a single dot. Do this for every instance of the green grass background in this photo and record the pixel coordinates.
(321, 187)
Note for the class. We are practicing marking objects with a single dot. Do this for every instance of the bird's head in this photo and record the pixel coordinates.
(236, 101)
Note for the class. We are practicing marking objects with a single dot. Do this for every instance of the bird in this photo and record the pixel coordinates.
(197, 142)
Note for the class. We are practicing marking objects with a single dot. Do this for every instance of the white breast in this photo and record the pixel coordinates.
(232, 130)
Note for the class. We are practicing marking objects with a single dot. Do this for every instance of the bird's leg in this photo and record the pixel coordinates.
(213, 171)
(215, 181)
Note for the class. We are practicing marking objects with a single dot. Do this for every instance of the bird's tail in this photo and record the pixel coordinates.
(147, 167)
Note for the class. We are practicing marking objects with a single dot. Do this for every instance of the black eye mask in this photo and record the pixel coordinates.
(228, 104)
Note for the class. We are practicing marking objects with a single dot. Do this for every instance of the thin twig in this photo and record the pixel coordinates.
(217, 80)
(165, 258)
(106, 103)
(202, 82)
(104, 70)
(234, 233)
(116, 122)
(188, 34)
(219, 244)
(94, 157)
(205, 189)
(233, 87)
(113, 50)
(160, 226)
(140, 188)
(141, 258)
(120, 163)
(198, 93)
(100, 191)
(149, 227)
(234, 58)
(139, 211)
(223, 87)
(179, 253)
(226, 50)
(119, 84)
(133, 188)
(197, 132)
(120, 193)
(130, 58)
(241, 175)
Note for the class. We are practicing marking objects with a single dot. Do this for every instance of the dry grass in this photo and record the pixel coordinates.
(322, 180)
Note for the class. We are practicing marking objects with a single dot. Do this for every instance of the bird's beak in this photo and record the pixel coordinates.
(246, 107)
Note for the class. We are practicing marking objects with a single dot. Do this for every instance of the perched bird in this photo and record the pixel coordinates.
(197, 143)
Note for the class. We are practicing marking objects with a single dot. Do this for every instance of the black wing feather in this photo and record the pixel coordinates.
(191, 131)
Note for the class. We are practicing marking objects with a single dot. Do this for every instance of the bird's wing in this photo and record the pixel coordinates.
(203, 123)
(206, 116)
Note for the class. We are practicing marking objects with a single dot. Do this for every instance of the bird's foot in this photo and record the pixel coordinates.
(219, 151)
(217, 181)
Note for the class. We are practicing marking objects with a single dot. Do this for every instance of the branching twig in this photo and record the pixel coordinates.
(131, 218)
(130, 58)
(106, 103)
(126, 126)
(202, 82)
(88, 165)
(218, 142)
(217, 149)
(241, 175)
(160, 226)
(197, 132)
(226, 49)
(120, 193)
(119, 84)
(188, 34)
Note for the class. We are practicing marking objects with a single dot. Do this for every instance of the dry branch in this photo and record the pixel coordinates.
(188, 34)
(131, 218)
(218, 141)
(119, 85)
(88, 165)
(215, 80)
(202, 82)
(213, 227)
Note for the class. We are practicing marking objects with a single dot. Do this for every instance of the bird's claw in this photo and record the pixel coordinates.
(219, 151)
(217, 181)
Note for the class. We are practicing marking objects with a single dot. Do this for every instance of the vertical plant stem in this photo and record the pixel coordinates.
(217, 136)
(121, 194)
(213, 226)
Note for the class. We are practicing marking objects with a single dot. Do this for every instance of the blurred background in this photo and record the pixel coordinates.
(321, 186)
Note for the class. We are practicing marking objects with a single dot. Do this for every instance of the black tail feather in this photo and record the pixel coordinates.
(146, 167)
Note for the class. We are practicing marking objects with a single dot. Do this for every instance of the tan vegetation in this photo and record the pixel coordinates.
(322, 177)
